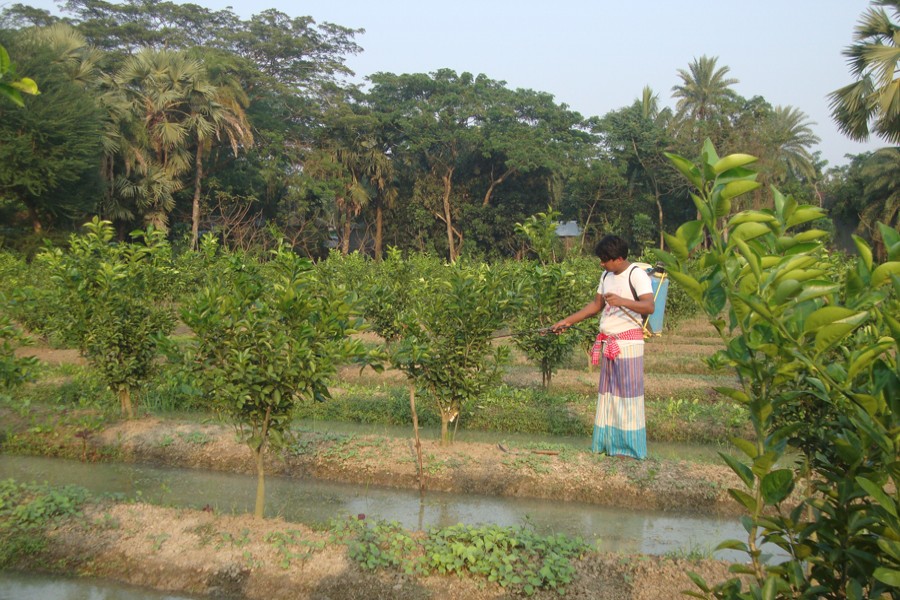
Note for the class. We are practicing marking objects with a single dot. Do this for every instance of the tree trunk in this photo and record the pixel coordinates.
(448, 219)
(195, 207)
(345, 243)
(445, 427)
(494, 184)
(415, 420)
(260, 481)
(379, 229)
(35, 221)
(125, 401)
(259, 455)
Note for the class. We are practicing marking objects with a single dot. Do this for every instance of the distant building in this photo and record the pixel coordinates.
(570, 234)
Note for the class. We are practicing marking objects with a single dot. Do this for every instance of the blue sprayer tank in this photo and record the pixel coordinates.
(660, 283)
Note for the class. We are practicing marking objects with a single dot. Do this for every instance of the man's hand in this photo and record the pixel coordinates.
(614, 299)
(559, 327)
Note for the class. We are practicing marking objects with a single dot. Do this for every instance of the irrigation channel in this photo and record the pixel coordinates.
(312, 502)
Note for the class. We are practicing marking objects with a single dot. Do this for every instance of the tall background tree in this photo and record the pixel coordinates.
(871, 104)
(50, 148)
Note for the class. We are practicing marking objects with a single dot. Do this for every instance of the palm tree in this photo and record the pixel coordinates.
(703, 90)
(215, 113)
(881, 173)
(871, 104)
(148, 141)
(167, 116)
(790, 138)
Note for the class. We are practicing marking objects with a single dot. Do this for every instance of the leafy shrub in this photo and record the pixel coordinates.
(815, 350)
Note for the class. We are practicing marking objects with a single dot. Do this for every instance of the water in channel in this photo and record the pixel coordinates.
(29, 586)
(314, 502)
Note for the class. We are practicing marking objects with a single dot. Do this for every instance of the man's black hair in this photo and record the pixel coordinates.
(610, 247)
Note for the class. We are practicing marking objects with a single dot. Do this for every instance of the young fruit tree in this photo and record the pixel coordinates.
(112, 298)
(445, 341)
(268, 338)
(814, 345)
(553, 289)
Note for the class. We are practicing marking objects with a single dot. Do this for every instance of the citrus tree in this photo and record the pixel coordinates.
(110, 300)
(552, 289)
(267, 338)
(444, 339)
(815, 353)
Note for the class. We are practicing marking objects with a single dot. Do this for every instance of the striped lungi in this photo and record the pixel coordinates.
(619, 426)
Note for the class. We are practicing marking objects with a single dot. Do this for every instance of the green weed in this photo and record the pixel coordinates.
(27, 511)
(514, 558)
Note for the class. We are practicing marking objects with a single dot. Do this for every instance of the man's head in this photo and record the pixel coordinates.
(612, 251)
(610, 248)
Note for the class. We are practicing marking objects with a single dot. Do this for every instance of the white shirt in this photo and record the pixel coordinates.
(616, 319)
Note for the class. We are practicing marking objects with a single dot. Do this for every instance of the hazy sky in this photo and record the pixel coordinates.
(597, 55)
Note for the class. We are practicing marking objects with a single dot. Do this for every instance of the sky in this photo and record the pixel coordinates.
(597, 55)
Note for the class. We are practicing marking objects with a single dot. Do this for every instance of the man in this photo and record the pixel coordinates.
(623, 296)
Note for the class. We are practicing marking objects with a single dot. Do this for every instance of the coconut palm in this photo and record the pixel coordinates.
(871, 104)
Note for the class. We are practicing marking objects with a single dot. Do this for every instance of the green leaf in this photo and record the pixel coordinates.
(744, 499)
(825, 316)
(698, 581)
(26, 85)
(750, 216)
(732, 545)
(890, 547)
(12, 94)
(891, 239)
(677, 246)
(746, 446)
(4, 62)
(748, 231)
(830, 334)
(786, 289)
(777, 485)
(686, 168)
(889, 576)
(734, 394)
(732, 161)
(804, 214)
(883, 273)
(816, 290)
(690, 233)
(751, 257)
(738, 188)
(721, 204)
(865, 252)
(702, 208)
(742, 470)
(877, 493)
(693, 287)
(863, 359)
(770, 587)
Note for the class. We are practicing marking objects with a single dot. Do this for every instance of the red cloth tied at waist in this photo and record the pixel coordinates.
(612, 350)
